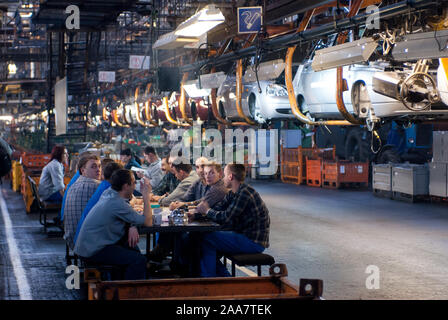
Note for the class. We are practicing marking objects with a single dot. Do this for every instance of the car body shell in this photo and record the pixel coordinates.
(256, 105)
(316, 93)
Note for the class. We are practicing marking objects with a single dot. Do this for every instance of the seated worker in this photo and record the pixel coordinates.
(51, 183)
(215, 193)
(245, 216)
(107, 170)
(198, 189)
(186, 175)
(213, 190)
(127, 157)
(102, 238)
(72, 181)
(168, 183)
(80, 193)
(154, 171)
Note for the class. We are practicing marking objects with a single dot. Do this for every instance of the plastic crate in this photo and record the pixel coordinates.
(27, 194)
(314, 172)
(16, 175)
(335, 174)
(294, 162)
(35, 160)
(290, 174)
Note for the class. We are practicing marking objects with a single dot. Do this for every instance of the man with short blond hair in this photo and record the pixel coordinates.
(81, 191)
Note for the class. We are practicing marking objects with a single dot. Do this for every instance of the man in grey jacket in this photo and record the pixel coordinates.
(154, 170)
(187, 176)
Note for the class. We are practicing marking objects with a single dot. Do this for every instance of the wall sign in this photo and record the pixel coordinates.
(250, 19)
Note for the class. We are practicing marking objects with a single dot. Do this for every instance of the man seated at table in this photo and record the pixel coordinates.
(168, 183)
(102, 238)
(187, 176)
(198, 189)
(75, 177)
(184, 172)
(216, 191)
(154, 171)
(108, 168)
(80, 193)
(127, 157)
(209, 188)
(246, 217)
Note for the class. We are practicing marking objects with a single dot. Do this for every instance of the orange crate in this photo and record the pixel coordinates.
(294, 160)
(344, 172)
(26, 191)
(290, 173)
(314, 172)
(35, 160)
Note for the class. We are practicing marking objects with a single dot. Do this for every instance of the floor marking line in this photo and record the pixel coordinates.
(14, 255)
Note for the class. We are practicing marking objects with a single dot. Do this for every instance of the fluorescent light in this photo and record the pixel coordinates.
(266, 71)
(200, 44)
(193, 90)
(25, 14)
(201, 22)
(344, 54)
(212, 80)
(12, 68)
(423, 45)
(6, 118)
(170, 41)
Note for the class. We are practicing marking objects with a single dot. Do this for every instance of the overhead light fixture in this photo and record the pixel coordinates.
(194, 91)
(6, 118)
(266, 71)
(170, 41)
(12, 68)
(423, 45)
(344, 54)
(201, 22)
(26, 15)
(212, 80)
(199, 44)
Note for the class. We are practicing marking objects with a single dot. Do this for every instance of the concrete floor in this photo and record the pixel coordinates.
(333, 235)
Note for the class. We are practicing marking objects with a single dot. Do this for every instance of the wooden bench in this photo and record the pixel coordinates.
(249, 259)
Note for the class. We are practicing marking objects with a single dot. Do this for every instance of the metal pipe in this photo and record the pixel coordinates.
(239, 92)
(182, 100)
(168, 115)
(115, 119)
(288, 81)
(289, 40)
(340, 81)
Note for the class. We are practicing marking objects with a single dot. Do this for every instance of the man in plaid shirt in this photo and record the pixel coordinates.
(79, 194)
(244, 214)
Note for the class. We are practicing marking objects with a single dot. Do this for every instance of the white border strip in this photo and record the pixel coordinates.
(14, 255)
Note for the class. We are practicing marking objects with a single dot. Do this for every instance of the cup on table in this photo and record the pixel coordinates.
(156, 214)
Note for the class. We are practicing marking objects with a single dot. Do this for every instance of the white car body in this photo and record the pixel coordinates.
(265, 107)
(316, 93)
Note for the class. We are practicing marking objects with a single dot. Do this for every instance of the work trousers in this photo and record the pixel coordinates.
(129, 258)
(224, 242)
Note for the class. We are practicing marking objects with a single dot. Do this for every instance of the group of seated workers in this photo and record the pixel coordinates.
(101, 225)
